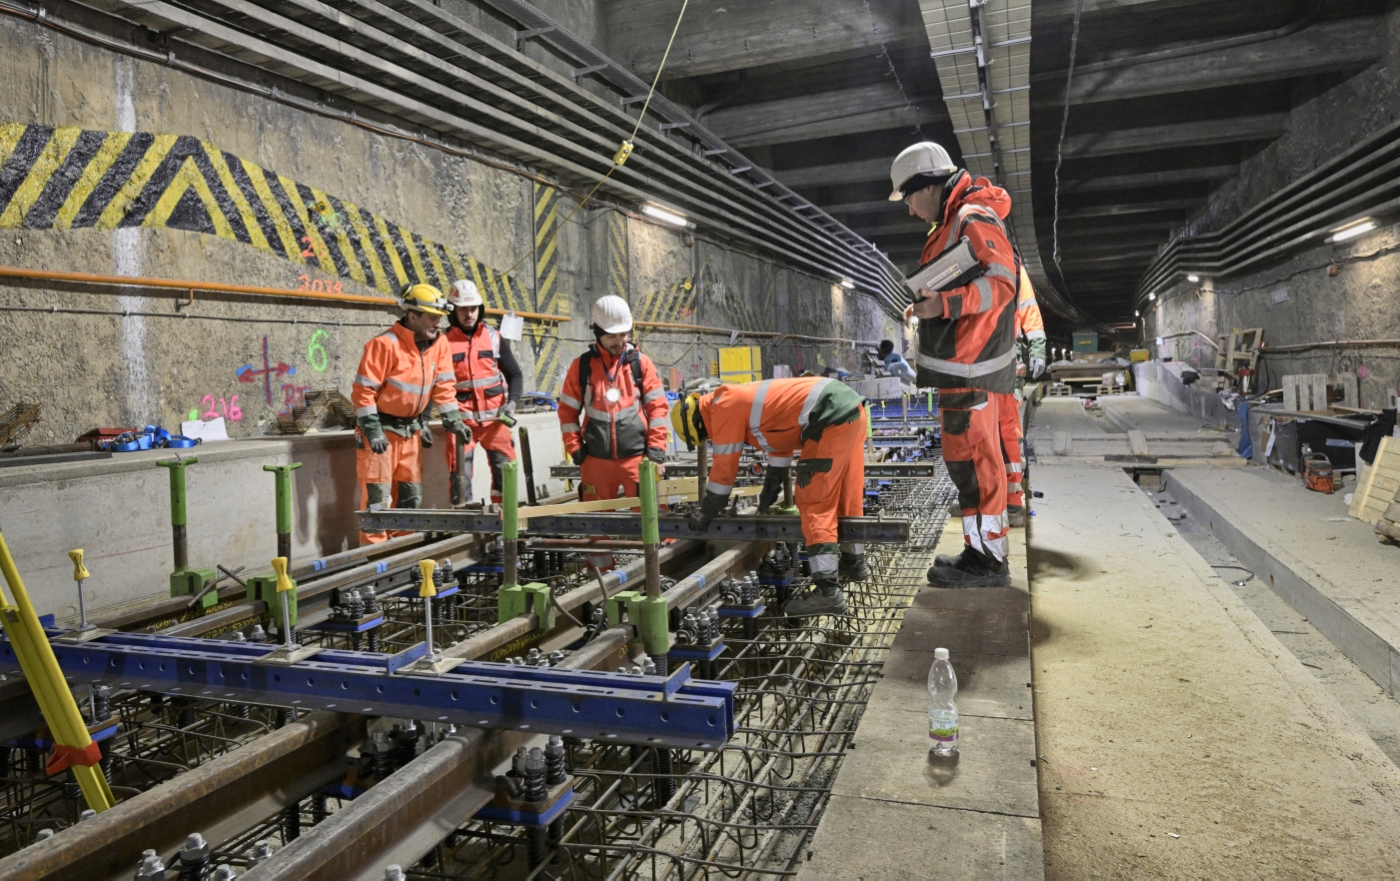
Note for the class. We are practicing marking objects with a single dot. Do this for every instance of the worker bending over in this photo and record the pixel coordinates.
(1030, 334)
(826, 421)
(489, 383)
(402, 372)
(612, 410)
(966, 349)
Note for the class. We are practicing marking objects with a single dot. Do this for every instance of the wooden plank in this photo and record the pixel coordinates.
(1367, 487)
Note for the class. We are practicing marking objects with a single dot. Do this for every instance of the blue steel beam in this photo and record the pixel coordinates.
(674, 711)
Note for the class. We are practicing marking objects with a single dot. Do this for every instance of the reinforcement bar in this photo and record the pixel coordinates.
(870, 530)
(872, 469)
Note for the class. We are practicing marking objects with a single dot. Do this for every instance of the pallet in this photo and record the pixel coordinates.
(1058, 389)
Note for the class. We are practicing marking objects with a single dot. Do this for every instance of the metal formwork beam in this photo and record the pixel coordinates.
(758, 528)
(673, 712)
(872, 469)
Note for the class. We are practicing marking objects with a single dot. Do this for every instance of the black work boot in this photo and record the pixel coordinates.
(1016, 516)
(853, 567)
(943, 561)
(972, 569)
(825, 598)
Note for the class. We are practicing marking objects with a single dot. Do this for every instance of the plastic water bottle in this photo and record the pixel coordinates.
(942, 709)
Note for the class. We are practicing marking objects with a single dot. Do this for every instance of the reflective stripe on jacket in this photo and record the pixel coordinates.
(619, 429)
(476, 364)
(967, 334)
(775, 416)
(397, 380)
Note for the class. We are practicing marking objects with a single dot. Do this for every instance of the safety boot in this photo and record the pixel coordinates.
(1016, 516)
(853, 567)
(972, 569)
(825, 598)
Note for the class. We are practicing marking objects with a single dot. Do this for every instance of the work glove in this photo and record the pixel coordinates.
(425, 436)
(658, 456)
(1037, 368)
(373, 432)
(453, 422)
(508, 408)
(579, 455)
(774, 479)
(709, 510)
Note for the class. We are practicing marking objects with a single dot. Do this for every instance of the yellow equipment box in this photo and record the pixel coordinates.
(741, 364)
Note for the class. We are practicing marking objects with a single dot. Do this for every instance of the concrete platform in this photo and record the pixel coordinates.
(1330, 568)
(1127, 428)
(897, 813)
(1178, 737)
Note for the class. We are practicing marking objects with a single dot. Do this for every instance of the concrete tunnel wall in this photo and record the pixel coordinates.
(124, 357)
(1304, 299)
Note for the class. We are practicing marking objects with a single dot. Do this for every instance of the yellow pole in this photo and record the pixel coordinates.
(46, 680)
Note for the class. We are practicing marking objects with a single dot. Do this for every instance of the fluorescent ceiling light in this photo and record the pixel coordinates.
(848, 284)
(1193, 278)
(1352, 230)
(1137, 314)
(665, 215)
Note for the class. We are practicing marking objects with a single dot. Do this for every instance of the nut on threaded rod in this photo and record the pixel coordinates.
(284, 584)
(427, 590)
(80, 574)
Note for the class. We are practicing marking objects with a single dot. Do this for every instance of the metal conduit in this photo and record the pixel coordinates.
(744, 213)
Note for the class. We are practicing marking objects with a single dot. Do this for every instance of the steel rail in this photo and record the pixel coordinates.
(749, 528)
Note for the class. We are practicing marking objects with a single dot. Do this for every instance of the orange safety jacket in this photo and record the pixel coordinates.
(614, 408)
(476, 363)
(776, 416)
(1029, 321)
(967, 334)
(397, 381)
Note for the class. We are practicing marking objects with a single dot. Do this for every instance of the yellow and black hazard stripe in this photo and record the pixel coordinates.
(72, 178)
(618, 265)
(545, 340)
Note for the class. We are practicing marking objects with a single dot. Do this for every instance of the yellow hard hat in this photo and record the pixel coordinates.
(423, 298)
(685, 420)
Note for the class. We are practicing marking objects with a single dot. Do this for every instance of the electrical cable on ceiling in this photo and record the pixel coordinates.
(1060, 145)
(623, 151)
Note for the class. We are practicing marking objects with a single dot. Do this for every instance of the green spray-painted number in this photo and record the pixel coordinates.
(316, 353)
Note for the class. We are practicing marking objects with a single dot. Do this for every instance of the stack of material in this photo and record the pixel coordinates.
(18, 421)
(1377, 497)
(320, 403)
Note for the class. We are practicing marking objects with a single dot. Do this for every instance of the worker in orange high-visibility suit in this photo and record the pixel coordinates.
(966, 349)
(489, 382)
(612, 411)
(402, 371)
(1030, 327)
(822, 418)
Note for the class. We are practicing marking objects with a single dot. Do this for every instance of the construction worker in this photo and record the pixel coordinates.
(894, 362)
(822, 418)
(1030, 327)
(489, 383)
(403, 371)
(612, 411)
(966, 349)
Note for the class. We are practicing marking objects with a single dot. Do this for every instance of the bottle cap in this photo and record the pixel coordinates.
(940, 654)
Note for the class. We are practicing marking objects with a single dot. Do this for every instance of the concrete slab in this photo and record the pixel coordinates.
(1178, 738)
(1330, 568)
(897, 813)
(854, 843)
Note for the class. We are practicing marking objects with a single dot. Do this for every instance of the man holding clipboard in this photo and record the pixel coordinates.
(965, 300)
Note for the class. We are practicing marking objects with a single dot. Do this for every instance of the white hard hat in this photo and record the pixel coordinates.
(612, 314)
(464, 293)
(925, 157)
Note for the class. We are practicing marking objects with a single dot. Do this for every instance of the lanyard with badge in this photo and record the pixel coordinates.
(613, 394)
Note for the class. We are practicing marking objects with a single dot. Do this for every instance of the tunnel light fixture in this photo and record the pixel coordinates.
(1353, 230)
(1151, 296)
(666, 216)
(848, 284)
(1137, 313)
(1193, 278)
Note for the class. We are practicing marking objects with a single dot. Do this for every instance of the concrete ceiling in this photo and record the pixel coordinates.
(1169, 96)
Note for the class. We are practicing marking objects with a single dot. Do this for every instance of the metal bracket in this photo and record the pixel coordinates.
(282, 657)
(522, 599)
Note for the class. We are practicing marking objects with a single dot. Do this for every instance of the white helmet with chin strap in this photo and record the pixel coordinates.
(925, 157)
(612, 314)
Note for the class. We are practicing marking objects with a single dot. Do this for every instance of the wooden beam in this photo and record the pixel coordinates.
(1264, 127)
(857, 172)
(721, 35)
(1333, 46)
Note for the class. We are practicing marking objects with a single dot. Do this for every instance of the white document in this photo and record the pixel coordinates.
(213, 430)
(512, 327)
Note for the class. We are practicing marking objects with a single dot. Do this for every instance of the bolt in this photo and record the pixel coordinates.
(262, 852)
(393, 873)
(87, 815)
(43, 835)
(223, 873)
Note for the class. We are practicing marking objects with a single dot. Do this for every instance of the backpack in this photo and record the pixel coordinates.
(632, 356)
